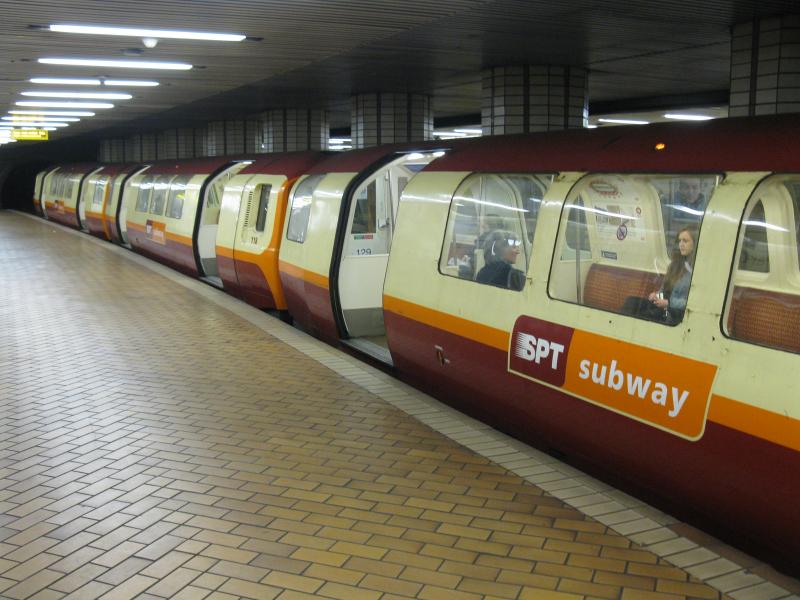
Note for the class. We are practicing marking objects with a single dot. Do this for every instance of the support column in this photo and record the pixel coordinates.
(201, 141)
(185, 141)
(133, 149)
(290, 129)
(526, 98)
(215, 140)
(149, 147)
(386, 118)
(112, 151)
(167, 144)
(765, 67)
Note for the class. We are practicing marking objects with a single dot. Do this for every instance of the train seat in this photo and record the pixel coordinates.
(765, 317)
(608, 287)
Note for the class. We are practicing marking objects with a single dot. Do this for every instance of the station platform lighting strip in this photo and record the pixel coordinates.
(64, 99)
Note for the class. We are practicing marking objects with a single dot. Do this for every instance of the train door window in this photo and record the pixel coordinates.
(99, 193)
(158, 198)
(301, 208)
(763, 301)
(262, 193)
(177, 196)
(491, 227)
(617, 251)
(143, 198)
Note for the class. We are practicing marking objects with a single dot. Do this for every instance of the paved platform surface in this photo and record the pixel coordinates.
(154, 444)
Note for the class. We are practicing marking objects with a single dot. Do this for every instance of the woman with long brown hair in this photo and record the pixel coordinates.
(675, 290)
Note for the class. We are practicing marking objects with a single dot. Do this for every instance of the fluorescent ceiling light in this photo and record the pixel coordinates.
(34, 124)
(680, 117)
(64, 81)
(40, 118)
(624, 121)
(44, 104)
(129, 83)
(59, 113)
(591, 127)
(469, 131)
(449, 134)
(50, 128)
(84, 95)
(172, 34)
(122, 64)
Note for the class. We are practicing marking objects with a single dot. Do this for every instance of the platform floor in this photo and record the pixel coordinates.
(158, 440)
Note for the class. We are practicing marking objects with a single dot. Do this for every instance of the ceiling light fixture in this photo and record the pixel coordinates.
(173, 34)
(679, 117)
(122, 64)
(40, 118)
(58, 113)
(624, 121)
(129, 82)
(80, 95)
(28, 125)
(64, 81)
(44, 104)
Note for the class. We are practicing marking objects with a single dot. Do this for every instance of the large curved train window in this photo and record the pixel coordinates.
(626, 243)
(158, 199)
(99, 192)
(301, 208)
(763, 301)
(177, 196)
(491, 226)
(143, 198)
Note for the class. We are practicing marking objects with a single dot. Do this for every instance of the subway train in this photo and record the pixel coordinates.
(628, 298)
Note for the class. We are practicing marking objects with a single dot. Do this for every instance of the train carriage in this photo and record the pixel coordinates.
(172, 212)
(251, 226)
(62, 197)
(100, 197)
(38, 189)
(337, 238)
(695, 405)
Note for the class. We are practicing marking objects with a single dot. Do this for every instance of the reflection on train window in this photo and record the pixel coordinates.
(763, 300)
(177, 196)
(143, 199)
(301, 208)
(754, 254)
(491, 227)
(158, 198)
(364, 217)
(626, 244)
(99, 192)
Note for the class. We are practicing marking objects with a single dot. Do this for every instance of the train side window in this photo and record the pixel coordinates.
(99, 192)
(619, 248)
(263, 191)
(143, 198)
(763, 301)
(177, 196)
(158, 199)
(491, 227)
(301, 208)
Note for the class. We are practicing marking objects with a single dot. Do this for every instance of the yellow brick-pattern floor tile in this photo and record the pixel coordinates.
(153, 444)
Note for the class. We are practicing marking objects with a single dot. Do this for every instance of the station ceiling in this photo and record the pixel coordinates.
(317, 53)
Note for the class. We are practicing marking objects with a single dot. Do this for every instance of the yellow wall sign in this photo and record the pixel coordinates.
(29, 134)
(664, 390)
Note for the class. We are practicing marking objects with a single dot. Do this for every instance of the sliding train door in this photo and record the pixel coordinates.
(363, 247)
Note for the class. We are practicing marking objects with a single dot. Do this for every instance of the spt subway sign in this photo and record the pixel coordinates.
(661, 389)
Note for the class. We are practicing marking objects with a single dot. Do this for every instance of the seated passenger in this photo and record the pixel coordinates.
(672, 296)
(500, 252)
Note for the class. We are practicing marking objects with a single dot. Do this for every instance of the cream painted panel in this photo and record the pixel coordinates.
(361, 281)
(229, 210)
(315, 253)
(247, 237)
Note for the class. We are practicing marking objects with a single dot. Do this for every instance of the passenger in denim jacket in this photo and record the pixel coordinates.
(675, 290)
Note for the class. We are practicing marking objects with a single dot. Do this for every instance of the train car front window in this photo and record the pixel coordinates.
(763, 301)
(627, 243)
(491, 227)
(300, 212)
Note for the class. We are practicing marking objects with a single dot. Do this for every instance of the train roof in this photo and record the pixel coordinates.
(355, 161)
(739, 144)
(84, 167)
(292, 164)
(193, 166)
(119, 168)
